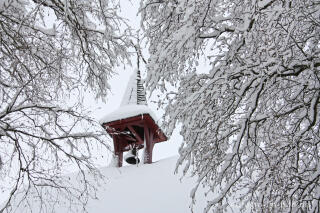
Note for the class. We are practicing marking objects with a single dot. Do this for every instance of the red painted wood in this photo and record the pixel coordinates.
(139, 121)
(149, 146)
(126, 131)
(135, 134)
(120, 159)
(147, 154)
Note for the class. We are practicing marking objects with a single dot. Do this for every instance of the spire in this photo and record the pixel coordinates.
(135, 93)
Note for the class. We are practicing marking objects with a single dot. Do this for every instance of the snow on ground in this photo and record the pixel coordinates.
(146, 188)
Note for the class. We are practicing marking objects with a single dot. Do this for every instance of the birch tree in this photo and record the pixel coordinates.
(251, 122)
(49, 50)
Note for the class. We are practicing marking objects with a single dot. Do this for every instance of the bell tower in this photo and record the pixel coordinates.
(133, 125)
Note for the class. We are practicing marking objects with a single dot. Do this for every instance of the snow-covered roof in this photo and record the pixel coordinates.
(128, 111)
(133, 102)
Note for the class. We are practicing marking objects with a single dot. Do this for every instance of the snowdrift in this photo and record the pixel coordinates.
(146, 188)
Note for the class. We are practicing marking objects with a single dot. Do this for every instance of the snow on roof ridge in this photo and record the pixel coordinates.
(133, 102)
(128, 111)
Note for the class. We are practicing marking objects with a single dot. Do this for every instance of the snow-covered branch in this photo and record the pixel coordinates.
(250, 123)
(49, 51)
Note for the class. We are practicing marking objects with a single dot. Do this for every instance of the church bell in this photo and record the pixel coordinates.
(132, 156)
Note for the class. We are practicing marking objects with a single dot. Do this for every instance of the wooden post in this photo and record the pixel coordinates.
(120, 159)
(117, 150)
(149, 145)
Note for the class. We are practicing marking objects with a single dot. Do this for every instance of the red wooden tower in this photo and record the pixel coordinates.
(133, 126)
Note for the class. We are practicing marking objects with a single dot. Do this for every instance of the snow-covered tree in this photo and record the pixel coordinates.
(250, 122)
(49, 50)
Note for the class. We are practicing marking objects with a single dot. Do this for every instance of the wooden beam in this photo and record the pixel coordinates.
(135, 134)
(129, 138)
